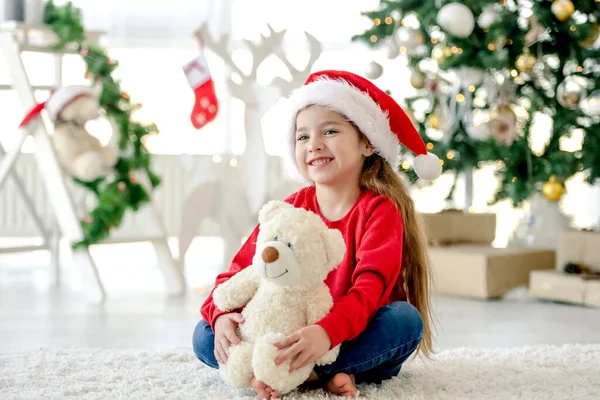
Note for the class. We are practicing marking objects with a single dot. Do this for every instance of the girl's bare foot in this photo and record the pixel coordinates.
(263, 391)
(342, 385)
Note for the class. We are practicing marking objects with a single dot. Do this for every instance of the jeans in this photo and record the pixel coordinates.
(375, 355)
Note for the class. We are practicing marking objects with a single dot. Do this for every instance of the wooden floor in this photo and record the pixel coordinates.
(138, 315)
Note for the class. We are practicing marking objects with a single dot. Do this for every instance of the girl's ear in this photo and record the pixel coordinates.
(368, 149)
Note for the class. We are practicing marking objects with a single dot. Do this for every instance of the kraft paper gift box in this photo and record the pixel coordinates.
(567, 288)
(575, 247)
(453, 227)
(578, 247)
(483, 271)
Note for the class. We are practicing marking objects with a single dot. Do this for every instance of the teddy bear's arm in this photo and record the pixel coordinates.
(318, 304)
(237, 291)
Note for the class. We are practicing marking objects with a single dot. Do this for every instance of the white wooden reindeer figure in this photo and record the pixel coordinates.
(234, 192)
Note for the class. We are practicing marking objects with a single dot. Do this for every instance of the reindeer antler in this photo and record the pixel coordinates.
(268, 44)
(298, 76)
(219, 46)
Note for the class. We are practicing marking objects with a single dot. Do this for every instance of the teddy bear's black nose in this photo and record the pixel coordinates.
(270, 254)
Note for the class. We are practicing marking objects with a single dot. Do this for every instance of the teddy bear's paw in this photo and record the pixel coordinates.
(276, 376)
(238, 370)
(88, 166)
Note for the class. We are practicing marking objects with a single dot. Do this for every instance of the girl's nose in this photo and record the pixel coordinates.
(315, 143)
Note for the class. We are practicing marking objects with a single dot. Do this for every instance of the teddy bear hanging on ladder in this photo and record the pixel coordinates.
(79, 153)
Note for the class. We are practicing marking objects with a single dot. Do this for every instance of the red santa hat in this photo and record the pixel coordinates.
(374, 112)
(59, 99)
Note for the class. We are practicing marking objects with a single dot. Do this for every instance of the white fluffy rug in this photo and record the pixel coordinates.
(537, 372)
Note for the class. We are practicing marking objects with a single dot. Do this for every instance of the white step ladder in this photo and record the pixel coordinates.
(63, 207)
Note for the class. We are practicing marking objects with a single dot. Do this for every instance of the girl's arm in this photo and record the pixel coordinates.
(378, 261)
(242, 259)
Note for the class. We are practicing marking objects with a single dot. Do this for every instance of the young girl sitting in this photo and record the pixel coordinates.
(344, 137)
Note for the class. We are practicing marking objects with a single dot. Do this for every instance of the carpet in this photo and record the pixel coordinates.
(536, 372)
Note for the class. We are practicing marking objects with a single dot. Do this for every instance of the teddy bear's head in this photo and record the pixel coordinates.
(81, 110)
(295, 247)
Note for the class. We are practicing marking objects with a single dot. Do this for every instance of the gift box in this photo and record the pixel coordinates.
(485, 272)
(578, 247)
(454, 227)
(568, 288)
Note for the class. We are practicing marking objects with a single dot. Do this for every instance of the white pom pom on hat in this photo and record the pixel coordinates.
(374, 112)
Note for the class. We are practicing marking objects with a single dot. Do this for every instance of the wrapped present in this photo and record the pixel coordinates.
(563, 287)
(578, 248)
(484, 271)
(455, 227)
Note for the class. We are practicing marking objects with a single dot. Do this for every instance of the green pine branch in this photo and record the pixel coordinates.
(565, 48)
(120, 192)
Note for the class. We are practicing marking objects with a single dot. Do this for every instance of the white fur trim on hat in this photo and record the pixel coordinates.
(354, 104)
(63, 96)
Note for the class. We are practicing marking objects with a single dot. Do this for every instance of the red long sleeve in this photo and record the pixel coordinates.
(242, 259)
(373, 280)
(367, 277)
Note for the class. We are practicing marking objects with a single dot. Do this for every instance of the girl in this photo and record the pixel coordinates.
(344, 138)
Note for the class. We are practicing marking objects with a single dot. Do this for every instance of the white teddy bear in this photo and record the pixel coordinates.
(79, 153)
(282, 291)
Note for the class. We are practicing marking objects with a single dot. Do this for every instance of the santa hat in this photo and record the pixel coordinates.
(59, 99)
(373, 111)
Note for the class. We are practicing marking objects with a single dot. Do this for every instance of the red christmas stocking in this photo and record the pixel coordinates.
(206, 105)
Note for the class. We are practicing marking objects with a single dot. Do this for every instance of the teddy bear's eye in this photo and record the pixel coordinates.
(275, 239)
(290, 245)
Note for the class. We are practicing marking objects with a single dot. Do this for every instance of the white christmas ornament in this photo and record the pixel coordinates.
(469, 76)
(456, 19)
(571, 92)
(591, 104)
(409, 38)
(374, 70)
(487, 17)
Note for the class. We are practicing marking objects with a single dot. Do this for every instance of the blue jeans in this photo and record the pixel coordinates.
(375, 355)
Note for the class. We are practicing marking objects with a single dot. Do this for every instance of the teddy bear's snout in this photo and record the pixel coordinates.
(270, 254)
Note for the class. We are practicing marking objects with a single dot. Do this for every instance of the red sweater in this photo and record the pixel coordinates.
(365, 280)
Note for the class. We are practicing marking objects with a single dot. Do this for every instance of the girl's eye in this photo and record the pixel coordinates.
(330, 131)
(301, 138)
(290, 245)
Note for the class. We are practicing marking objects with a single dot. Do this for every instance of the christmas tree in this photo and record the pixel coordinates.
(510, 82)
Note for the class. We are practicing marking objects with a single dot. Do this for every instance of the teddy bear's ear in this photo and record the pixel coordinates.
(269, 210)
(336, 248)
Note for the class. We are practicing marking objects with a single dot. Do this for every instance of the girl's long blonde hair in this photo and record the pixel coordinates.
(415, 280)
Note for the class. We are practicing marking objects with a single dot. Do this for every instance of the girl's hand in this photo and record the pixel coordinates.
(225, 334)
(306, 345)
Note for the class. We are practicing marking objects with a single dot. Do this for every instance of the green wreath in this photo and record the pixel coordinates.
(119, 192)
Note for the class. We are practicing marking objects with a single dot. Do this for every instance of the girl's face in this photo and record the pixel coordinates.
(329, 149)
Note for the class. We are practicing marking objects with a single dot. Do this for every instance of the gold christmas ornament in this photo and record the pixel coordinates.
(592, 37)
(440, 52)
(562, 9)
(553, 190)
(526, 61)
(417, 79)
(434, 121)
